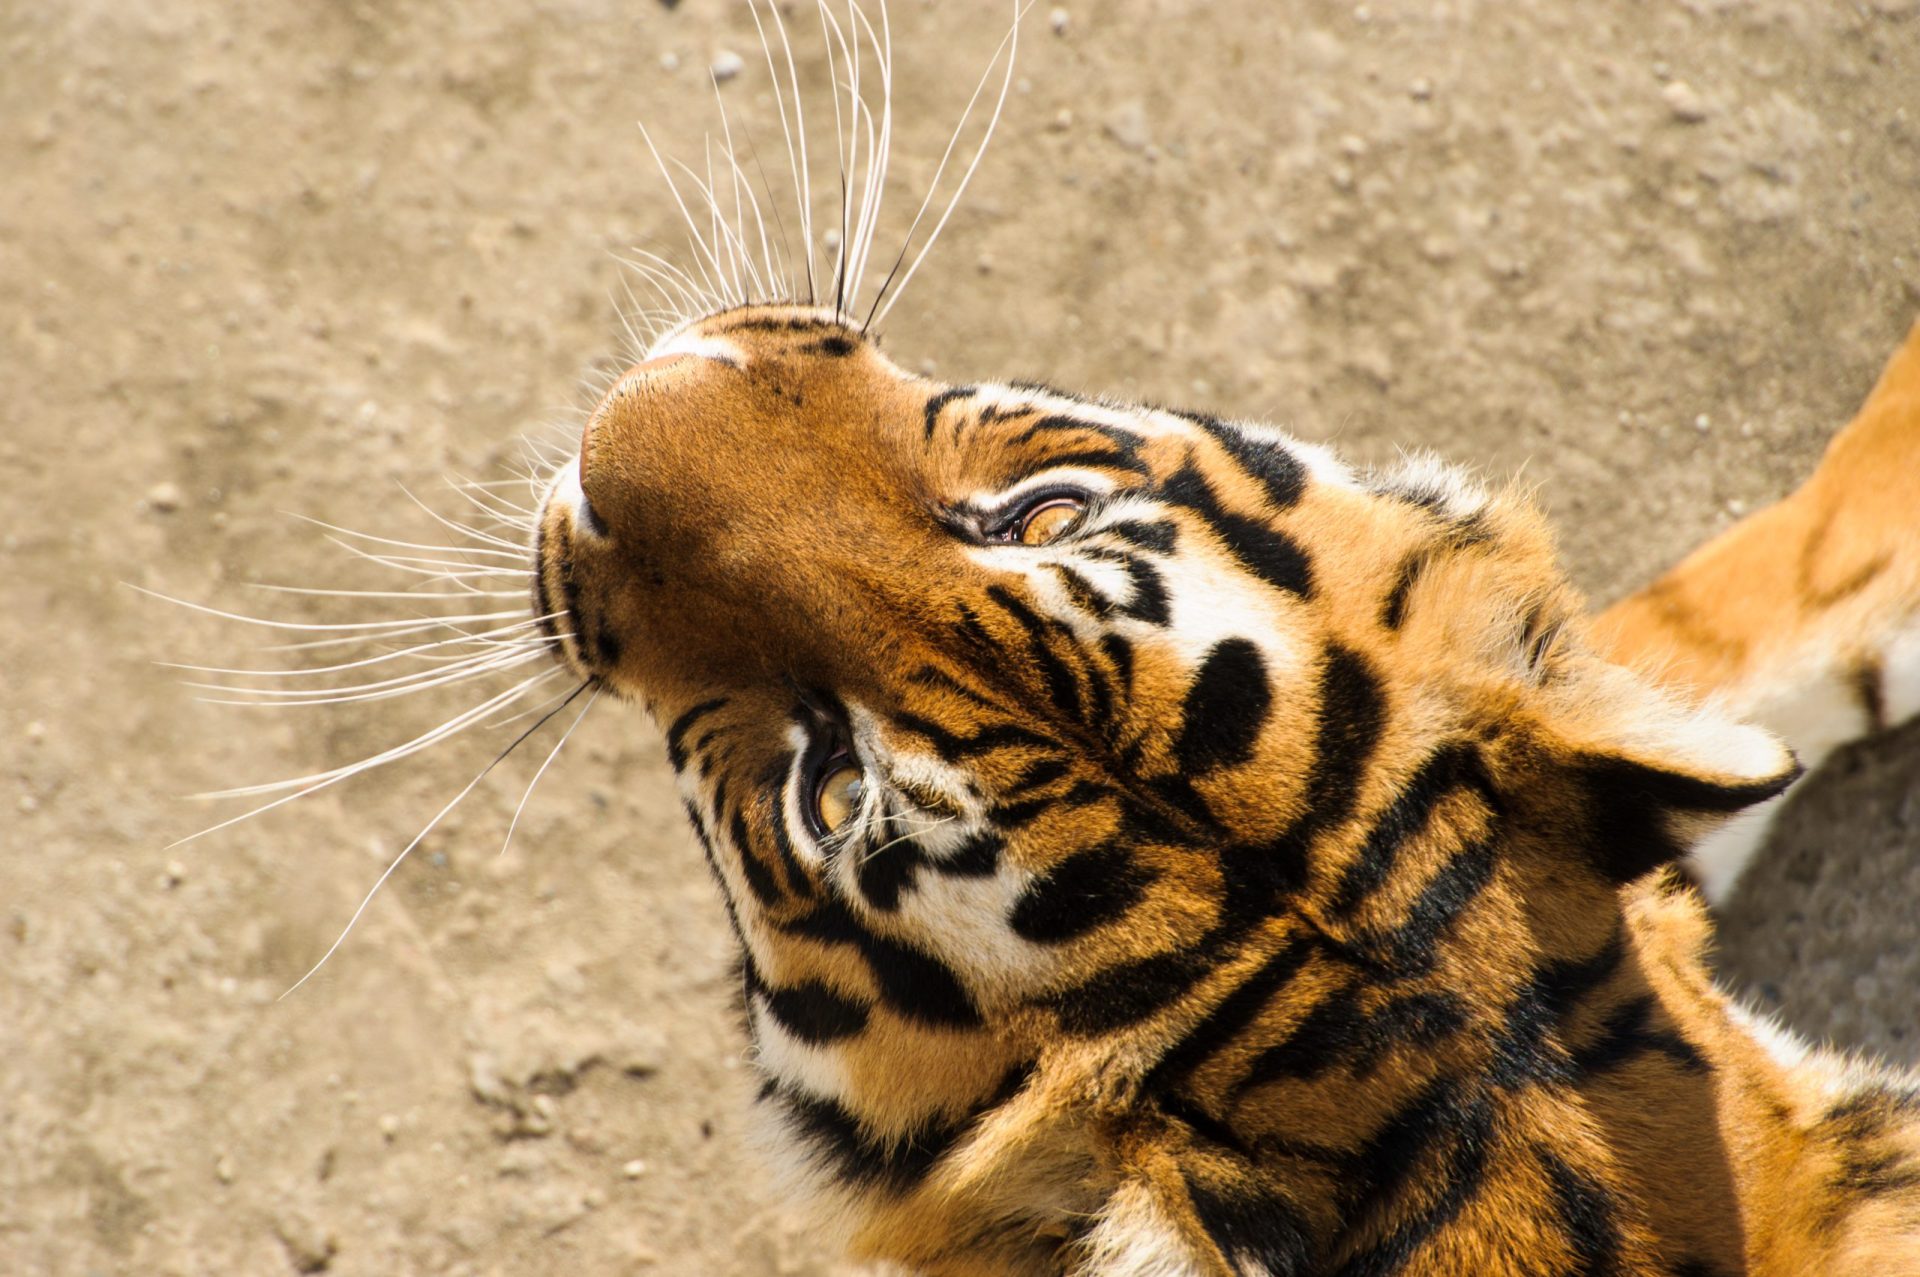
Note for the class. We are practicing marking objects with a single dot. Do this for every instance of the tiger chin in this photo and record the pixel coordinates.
(1156, 847)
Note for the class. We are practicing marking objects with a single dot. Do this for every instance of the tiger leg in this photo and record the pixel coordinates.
(1806, 615)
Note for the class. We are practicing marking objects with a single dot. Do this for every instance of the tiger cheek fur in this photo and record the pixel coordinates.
(1233, 879)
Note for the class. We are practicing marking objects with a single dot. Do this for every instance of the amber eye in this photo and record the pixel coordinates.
(1049, 520)
(837, 794)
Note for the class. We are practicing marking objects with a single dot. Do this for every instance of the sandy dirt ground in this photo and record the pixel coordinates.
(286, 256)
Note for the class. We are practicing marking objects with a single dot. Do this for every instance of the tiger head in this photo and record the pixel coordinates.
(1042, 745)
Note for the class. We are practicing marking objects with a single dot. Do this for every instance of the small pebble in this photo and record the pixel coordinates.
(389, 1127)
(1703, 423)
(1686, 105)
(1421, 90)
(223, 1169)
(669, 62)
(726, 65)
(1059, 19)
(634, 1169)
(1127, 125)
(173, 875)
(28, 804)
(165, 497)
(36, 732)
(1062, 120)
(1736, 507)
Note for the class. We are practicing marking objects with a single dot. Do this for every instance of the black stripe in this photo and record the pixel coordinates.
(929, 676)
(1440, 1117)
(1014, 816)
(1104, 458)
(977, 857)
(1413, 947)
(1351, 712)
(953, 747)
(887, 874)
(1251, 1227)
(1036, 775)
(1278, 470)
(1226, 707)
(931, 413)
(1393, 612)
(836, 1138)
(1445, 770)
(1586, 1216)
(1150, 600)
(1063, 689)
(678, 729)
(1124, 441)
(1128, 993)
(1119, 654)
(1527, 1049)
(1628, 1033)
(913, 984)
(798, 883)
(1083, 593)
(759, 878)
(542, 593)
(1231, 1016)
(895, 1163)
(1338, 1032)
(1157, 536)
(1263, 550)
(814, 1013)
(1086, 890)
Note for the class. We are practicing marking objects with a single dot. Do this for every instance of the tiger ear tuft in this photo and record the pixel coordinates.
(1656, 775)
(1648, 813)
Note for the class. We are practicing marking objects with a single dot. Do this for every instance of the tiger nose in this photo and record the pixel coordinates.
(632, 379)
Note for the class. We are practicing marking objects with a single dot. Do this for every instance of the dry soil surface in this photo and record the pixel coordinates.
(287, 255)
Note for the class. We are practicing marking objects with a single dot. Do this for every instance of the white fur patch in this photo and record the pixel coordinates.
(817, 1070)
(689, 342)
(1134, 1238)
(1424, 477)
(1718, 860)
(1900, 673)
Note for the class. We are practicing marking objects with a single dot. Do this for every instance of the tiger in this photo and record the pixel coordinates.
(1155, 846)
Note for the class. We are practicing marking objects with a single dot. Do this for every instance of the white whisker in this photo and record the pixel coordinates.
(322, 780)
(382, 689)
(407, 850)
(369, 626)
(314, 592)
(1011, 43)
(558, 746)
(460, 635)
(518, 554)
(802, 181)
(485, 537)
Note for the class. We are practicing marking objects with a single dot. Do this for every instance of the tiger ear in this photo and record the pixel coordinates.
(1656, 775)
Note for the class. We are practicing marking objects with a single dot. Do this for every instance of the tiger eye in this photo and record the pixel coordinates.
(1048, 522)
(838, 795)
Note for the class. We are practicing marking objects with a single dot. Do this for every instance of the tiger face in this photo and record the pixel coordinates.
(1019, 728)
